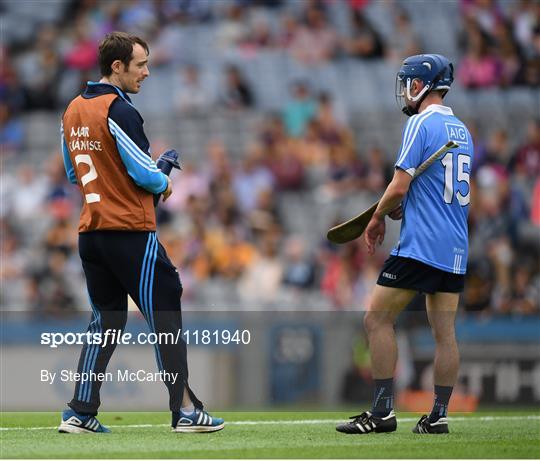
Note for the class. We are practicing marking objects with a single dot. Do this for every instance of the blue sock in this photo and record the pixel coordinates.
(383, 400)
(440, 406)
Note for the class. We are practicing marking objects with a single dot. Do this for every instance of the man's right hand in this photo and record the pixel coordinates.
(167, 193)
(374, 233)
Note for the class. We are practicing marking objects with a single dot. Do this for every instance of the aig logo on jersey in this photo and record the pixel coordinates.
(456, 132)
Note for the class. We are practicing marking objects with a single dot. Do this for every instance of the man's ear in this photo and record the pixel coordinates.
(417, 86)
(117, 66)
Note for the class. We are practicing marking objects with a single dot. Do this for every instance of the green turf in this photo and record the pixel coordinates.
(507, 435)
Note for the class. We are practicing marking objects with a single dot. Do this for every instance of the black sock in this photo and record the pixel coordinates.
(440, 407)
(383, 399)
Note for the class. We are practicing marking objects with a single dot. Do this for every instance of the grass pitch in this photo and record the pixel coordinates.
(271, 435)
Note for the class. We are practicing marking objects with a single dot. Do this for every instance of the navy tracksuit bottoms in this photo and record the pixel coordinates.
(118, 263)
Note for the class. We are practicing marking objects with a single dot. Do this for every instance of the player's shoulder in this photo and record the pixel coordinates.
(421, 119)
(121, 111)
(417, 124)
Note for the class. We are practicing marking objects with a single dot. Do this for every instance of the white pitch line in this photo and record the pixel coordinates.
(290, 422)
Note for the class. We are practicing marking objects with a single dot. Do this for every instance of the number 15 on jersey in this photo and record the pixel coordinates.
(457, 182)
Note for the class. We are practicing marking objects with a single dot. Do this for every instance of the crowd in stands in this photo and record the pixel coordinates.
(499, 46)
(500, 50)
(225, 221)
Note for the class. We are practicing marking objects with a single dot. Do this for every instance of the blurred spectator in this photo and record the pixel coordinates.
(102, 17)
(480, 150)
(253, 178)
(260, 283)
(332, 122)
(137, 16)
(232, 28)
(508, 54)
(27, 203)
(265, 215)
(259, 35)
(525, 17)
(300, 109)
(289, 28)
(62, 198)
(54, 288)
(299, 270)
(187, 183)
(286, 167)
(343, 173)
(272, 131)
(526, 161)
(236, 93)
(218, 167)
(340, 274)
(498, 153)
(404, 40)
(11, 132)
(11, 91)
(82, 53)
(190, 96)
(313, 150)
(531, 72)
(168, 48)
(62, 237)
(316, 41)
(39, 70)
(535, 204)
(377, 171)
(523, 294)
(485, 12)
(12, 269)
(229, 254)
(365, 43)
(478, 286)
(187, 10)
(478, 69)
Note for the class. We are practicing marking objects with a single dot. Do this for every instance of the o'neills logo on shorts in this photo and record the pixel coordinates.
(389, 276)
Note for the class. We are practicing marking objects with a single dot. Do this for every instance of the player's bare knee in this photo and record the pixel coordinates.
(444, 336)
(373, 321)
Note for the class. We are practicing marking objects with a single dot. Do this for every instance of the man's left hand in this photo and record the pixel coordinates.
(167, 192)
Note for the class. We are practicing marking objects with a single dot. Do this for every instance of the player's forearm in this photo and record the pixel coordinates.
(391, 199)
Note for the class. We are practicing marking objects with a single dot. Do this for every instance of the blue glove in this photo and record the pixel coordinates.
(166, 162)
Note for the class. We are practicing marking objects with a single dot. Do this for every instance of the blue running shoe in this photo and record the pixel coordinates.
(74, 423)
(198, 421)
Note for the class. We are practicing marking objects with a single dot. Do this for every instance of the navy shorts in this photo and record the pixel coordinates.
(399, 272)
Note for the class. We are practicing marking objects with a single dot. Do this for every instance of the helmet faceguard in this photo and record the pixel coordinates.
(433, 70)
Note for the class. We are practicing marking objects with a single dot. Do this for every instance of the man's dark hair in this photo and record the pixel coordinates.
(117, 45)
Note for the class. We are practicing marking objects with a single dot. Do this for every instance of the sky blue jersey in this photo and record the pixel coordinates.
(435, 209)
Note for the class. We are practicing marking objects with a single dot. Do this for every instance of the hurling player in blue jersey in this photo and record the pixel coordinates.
(431, 254)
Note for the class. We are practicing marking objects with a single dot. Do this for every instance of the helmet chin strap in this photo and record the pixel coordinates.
(419, 98)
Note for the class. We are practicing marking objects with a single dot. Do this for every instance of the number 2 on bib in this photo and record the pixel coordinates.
(90, 176)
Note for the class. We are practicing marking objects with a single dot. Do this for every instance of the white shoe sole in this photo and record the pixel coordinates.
(195, 429)
(71, 429)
